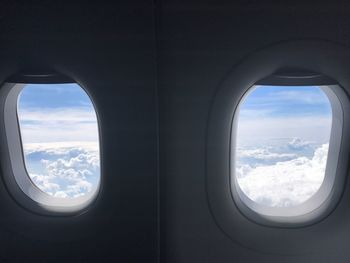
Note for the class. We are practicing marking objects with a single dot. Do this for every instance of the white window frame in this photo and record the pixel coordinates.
(318, 203)
(13, 163)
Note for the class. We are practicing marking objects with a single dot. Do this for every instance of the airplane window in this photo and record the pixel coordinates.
(60, 141)
(281, 146)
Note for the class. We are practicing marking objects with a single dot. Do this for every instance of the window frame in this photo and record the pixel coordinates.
(317, 204)
(17, 179)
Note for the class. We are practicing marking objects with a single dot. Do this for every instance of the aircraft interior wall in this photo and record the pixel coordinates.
(153, 70)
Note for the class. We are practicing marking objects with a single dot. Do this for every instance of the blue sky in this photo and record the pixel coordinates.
(56, 113)
(60, 138)
(288, 101)
(53, 96)
(285, 112)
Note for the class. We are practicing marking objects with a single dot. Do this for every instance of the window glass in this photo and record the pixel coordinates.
(60, 140)
(282, 141)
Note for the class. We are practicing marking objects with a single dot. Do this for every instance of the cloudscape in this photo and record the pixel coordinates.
(282, 144)
(60, 139)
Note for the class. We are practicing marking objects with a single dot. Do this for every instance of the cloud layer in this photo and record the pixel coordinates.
(282, 137)
(314, 128)
(58, 124)
(284, 183)
(64, 171)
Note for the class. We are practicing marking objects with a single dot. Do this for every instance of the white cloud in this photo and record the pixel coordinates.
(286, 183)
(58, 124)
(315, 128)
(298, 144)
(66, 171)
(264, 154)
(52, 115)
(60, 148)
(44, 183)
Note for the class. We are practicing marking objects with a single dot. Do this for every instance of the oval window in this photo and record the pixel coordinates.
(60, 141)
(282, 139)
(52, 135)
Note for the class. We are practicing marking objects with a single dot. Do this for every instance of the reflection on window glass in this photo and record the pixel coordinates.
(282, 143)
(60, 139)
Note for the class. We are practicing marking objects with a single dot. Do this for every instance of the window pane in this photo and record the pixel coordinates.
(60, 139)
(282, 141)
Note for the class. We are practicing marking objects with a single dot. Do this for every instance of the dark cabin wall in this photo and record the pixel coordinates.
(199, 44)
(112, 50)
(109, 49)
